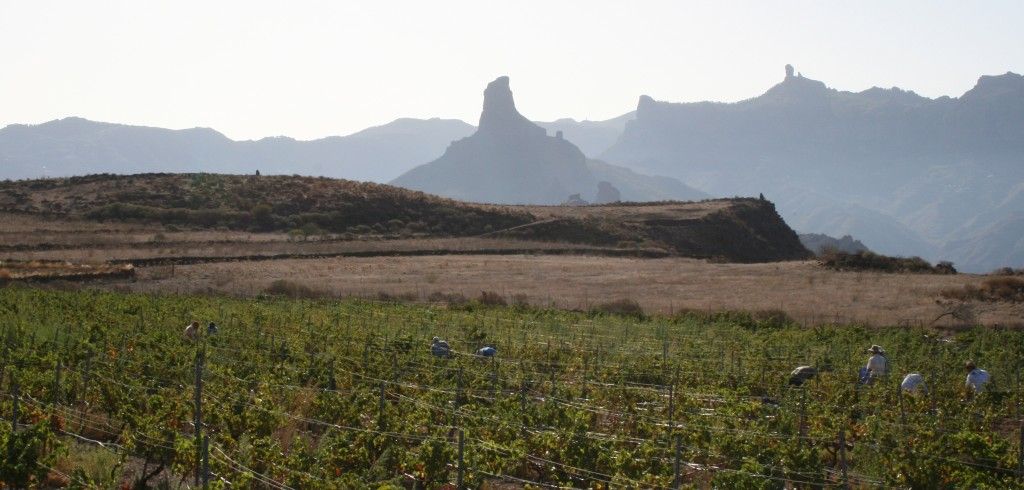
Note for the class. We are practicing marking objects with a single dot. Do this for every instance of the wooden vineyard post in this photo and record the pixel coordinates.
(394, 367)
(462, 468)
(899, 400)
(206, 461)
(664, 361)
(458, 389)
(552, 371)
(494, 380)
(332, 383)
(671, 407)
(1017, 392)
(380, 407)
(1020, 451)
(677, 478)
(586, 375)
(85, 392)
(15, 398)
(56, 382)
(803, 415)
(198, 413)
(522, 395)
(842, 457)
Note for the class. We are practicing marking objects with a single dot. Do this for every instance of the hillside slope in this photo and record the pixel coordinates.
(747, 230)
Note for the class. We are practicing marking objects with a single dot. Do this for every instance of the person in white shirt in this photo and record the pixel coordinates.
(878, 364)
(913, 383)
(976, 378)
(192, 331)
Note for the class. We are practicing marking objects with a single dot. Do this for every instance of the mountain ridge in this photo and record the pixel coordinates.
(877, 152)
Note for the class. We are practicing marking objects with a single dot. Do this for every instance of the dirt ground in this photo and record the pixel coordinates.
(804, 290)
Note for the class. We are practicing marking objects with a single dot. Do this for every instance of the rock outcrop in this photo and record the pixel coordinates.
(510, 160)
(607, 193)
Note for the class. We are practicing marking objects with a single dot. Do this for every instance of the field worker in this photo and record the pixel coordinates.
(211, 328)
(878, 365)
(913, 382)
(487, 351)
(976, 378)
(440, 348)
(863, 375)
(801, 375)
(192, 330)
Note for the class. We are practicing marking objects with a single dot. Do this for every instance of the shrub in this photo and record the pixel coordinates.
(998, 288)
(449, 298)
(491, 298)
(290, 289)
(624, 306)
(1007, 271)
(870, 261)
(397, 298)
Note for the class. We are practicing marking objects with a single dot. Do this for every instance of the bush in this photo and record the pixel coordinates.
(1007, 271)
(870, 261)
(397, 298)
(622, 306)
(289, 289)
(999, 288)
(449, 298)
(490, 298)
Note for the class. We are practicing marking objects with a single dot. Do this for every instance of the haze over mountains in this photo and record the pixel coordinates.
(510, 160)
(75, 146)
(941, 178)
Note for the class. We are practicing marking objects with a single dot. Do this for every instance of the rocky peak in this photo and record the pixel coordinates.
(500, 115)
(1008, 84)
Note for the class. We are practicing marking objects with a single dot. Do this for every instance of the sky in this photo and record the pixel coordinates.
(309, 69)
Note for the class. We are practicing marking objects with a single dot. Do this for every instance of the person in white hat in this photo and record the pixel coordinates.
(878, 364)
(976, 378)
(440, 348)
(913, 383)
(801, 375)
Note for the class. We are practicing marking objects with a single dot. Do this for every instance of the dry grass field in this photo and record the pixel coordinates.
(537, 273)
(804, 290)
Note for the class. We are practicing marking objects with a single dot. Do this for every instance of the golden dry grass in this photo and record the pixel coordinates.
(804, 290)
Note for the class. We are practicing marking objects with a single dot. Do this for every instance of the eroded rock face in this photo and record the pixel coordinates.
(607, 193)
(511, 160)
(500, 116)
(575, 200)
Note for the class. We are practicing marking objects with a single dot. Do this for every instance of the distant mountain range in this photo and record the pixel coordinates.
(75, 146)
(510, 160)
(908, 175)
(941, 178)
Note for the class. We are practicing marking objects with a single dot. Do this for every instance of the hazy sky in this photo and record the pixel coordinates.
(309, 69)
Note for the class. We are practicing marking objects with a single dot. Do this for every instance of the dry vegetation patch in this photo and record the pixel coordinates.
(803, 291)
(992, 289)
(45, 270)
(870, 261)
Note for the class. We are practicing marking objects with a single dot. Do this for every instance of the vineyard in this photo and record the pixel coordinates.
(102, 390)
